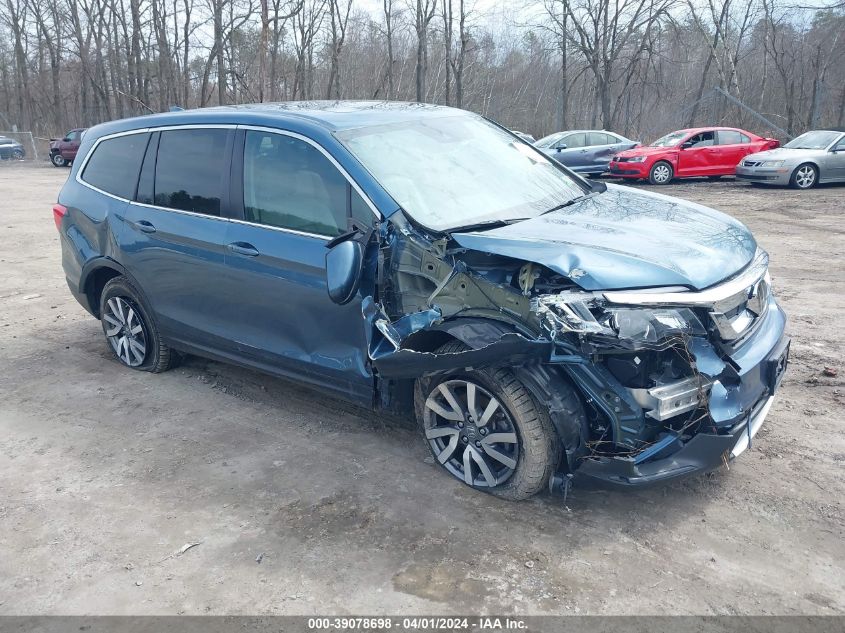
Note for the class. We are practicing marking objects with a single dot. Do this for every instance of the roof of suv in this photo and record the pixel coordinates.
(330, 115)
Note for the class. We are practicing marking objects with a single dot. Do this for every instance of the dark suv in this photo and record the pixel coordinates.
(423, 260)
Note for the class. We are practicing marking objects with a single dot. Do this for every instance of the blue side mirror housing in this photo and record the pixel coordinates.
(344, 262)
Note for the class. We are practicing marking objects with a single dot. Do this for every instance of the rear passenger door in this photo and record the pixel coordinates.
(602, 148)
(174, 240)
(733, 147)
(293, 199)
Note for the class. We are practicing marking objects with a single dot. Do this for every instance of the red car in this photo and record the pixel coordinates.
(703, 151)
(63, 150)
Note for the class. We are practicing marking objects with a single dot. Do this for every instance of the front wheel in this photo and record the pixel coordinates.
(485, 429)
(661, 173)
(18, 154)
(130, 330)
(58, 160)
(804, 177)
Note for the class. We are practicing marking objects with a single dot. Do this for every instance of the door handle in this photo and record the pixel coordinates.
(243, 248)
(145, 226)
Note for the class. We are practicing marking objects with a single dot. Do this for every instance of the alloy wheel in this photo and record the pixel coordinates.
(805, 177)
(661, 174)
(471, 433)
(125, 331)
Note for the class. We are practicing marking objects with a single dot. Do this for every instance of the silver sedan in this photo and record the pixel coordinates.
(814, 157)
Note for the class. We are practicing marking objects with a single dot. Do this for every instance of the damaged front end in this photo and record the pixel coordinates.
(673, 381)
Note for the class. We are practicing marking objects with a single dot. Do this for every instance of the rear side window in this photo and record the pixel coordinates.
(114, 164)
(290, 184)
(730, 137)
(598, 138)
(190, 170)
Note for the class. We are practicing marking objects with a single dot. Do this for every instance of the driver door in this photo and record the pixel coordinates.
(293, 199)
(698, 156)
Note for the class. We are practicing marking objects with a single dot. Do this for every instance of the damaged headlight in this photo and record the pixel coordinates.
(582, 314)
(654, 325)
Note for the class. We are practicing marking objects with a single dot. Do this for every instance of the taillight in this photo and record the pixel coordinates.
(59, 211)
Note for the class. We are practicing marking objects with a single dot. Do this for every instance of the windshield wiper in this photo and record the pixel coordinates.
(486, 224)
(568, 203)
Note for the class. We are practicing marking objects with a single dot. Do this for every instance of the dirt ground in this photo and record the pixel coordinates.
(106, 474)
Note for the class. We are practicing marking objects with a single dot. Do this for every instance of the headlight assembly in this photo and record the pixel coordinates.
(581, 314)
(637, 159)
(772, 163)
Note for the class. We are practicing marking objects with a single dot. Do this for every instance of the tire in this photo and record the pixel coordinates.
(18, 155)
(805, 176)
(524, 466)
(57, 160)
(125, 315)
(661, 173)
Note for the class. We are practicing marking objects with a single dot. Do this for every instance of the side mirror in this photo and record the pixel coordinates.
(66, 139)
(344, 262)
(561, 146)
(686, 145)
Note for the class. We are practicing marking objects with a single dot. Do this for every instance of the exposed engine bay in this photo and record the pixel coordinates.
(656, 368)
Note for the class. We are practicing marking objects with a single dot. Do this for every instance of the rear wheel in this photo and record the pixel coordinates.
(804, 177)
(57, 160)
(485, 429)
(130, 331)
(661, 173)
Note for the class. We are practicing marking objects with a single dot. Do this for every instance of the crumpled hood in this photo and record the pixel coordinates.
(626, 238)
(784, 153)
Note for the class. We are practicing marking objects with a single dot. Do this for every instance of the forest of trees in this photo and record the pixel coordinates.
(639, 67)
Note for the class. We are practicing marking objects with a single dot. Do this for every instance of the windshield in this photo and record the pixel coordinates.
(548, 141)
(456, 171)
(670, 140)
(813, 140)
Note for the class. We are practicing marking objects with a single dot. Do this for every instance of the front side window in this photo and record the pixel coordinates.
(290, 184)
(190, 170)
(454, 171)
(115, 163)
(840, 146)
(575, 140)
(703, 139)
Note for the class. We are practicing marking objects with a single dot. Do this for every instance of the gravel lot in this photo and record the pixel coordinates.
(106, 474)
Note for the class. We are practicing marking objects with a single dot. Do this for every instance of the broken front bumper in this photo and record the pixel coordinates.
(704, 452)
(737, 411)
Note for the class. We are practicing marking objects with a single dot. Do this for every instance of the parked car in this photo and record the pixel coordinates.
(584, 151)
(525, 136)
(814, 157)
(421, 260)
(63, 150)
(10, 149)
(711, 151)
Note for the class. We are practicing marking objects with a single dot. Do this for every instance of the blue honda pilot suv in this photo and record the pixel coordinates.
(424, 260)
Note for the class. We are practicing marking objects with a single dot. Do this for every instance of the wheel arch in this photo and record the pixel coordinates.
(95, 275)
(547, 383)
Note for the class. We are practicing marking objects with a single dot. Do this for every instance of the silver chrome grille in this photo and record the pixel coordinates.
(734, 306)
(751, 163)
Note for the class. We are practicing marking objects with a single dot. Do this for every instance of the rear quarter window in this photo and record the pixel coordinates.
(115, 163)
